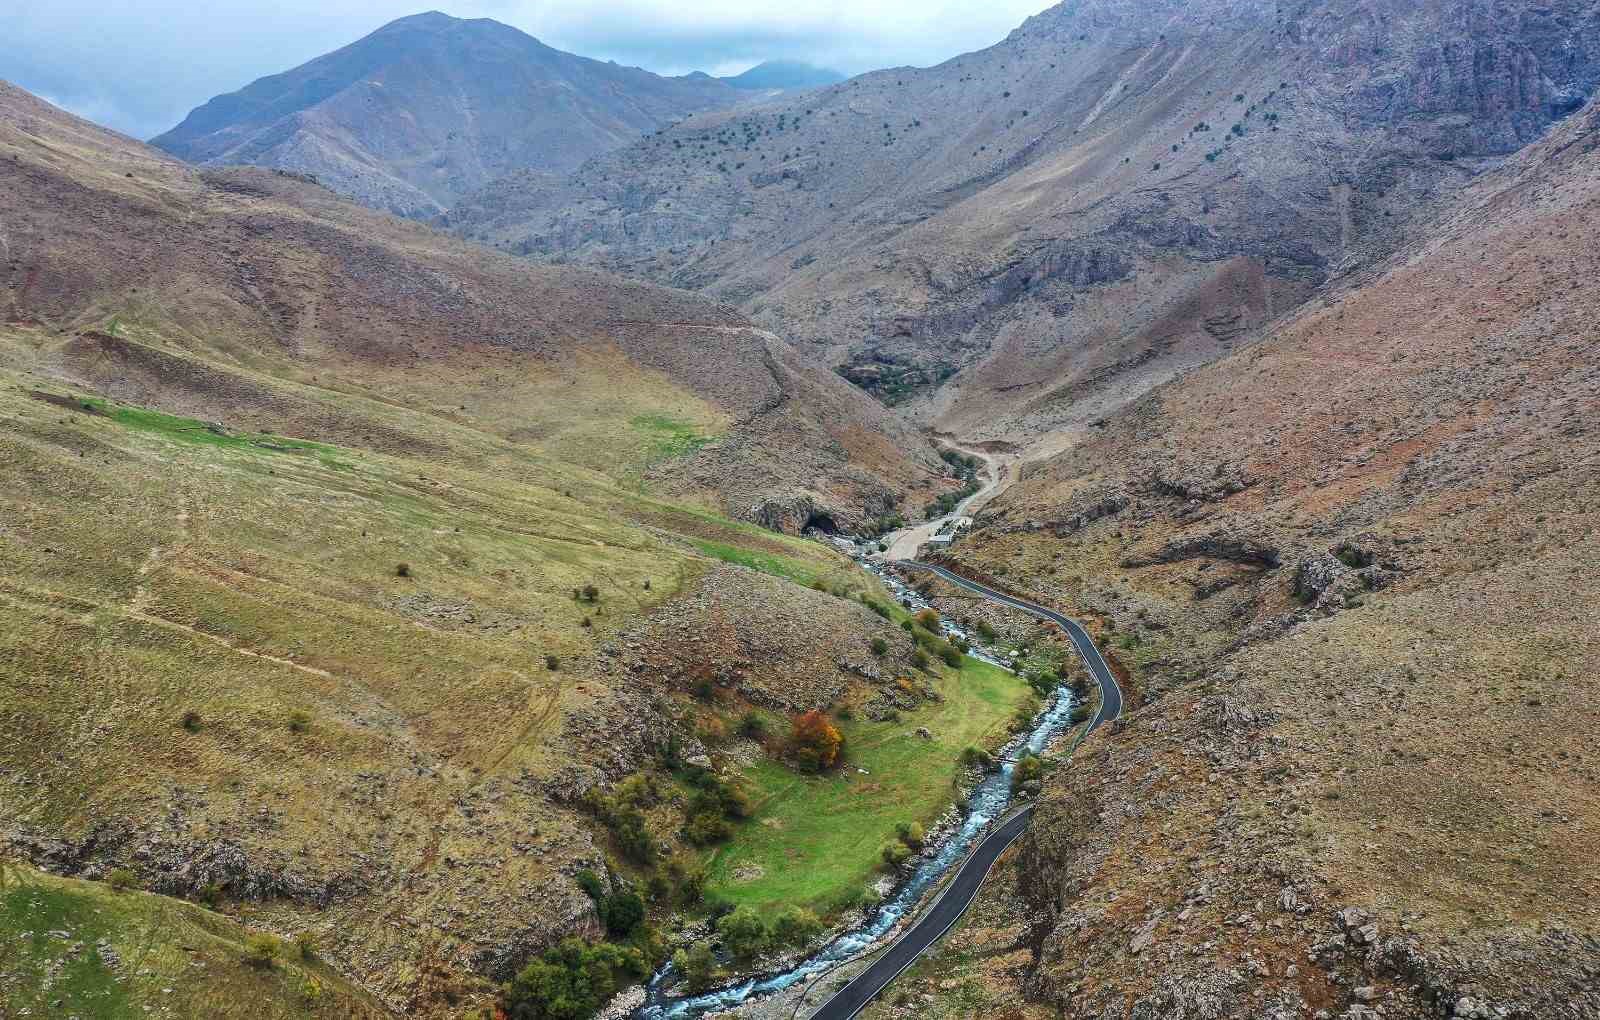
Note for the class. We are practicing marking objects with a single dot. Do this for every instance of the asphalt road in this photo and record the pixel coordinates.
(962, 889)
(958, 895)
(1110, 692)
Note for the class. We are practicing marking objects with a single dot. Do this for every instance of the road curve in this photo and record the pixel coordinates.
(962, 889)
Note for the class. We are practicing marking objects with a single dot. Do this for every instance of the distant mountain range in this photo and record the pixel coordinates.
(786, 75)
(431, 107)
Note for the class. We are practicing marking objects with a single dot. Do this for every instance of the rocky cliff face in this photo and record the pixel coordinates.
(430, 107)
(1040, 231)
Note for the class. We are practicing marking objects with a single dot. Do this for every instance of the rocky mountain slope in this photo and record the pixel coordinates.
(1023, 237)
(430, 107)
(1350, 571)
(327, 547)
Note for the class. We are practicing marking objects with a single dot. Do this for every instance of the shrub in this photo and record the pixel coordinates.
(121, 879)
(817, 742)
(190, 721)
(572, 980)
(895, 854)
(753, 726)
(911, 834)
(1029, 769)
(261, 950)
(552, 663)
(928, 620)
(879, 646)
(1081, 713)
(795, 927)
(402, 570)
(621, 913)
(305, 946)
(706, 828)
(743, 933)
(977, 756)
(591, 593)
(713, 730)
(951, 656)
(299, 721)
(704, 690)
(590, 883)
(919, 659)
(698, 965)
(907, 626)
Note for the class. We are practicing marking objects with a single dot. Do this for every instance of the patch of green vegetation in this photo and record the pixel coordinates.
(815, 841)
(128, 954)
(766, 562)
(670, 437)
(191, 430)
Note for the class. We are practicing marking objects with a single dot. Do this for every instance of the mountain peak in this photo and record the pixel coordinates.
(785, 74)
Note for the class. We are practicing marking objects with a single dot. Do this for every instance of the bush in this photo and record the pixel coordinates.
(704, 690)
(795, 927)
(305, 946)
(977, 756)
(621, 913)
(743, 933)
(590, 883)
(261, 950)
(570, 981)
(911, 834)
(706, 829)
(951, 656)
(299, 721)
(1029, 769)
(985, 632)
(753, 726)
(1081, 713)
(919, 659)
(121, 879)
(402, 570)
(928, 620)
(879, 646)
(817, 743)
(552, 663)
(190, 721)
(698, 965)
(895, 854)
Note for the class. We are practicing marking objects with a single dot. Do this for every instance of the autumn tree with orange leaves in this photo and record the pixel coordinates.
(816, 742)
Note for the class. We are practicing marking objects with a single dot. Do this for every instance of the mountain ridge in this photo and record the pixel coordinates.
(429, 107)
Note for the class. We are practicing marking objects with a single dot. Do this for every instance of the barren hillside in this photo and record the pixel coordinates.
(1350, 570)
(1023, 237)
(341, 559)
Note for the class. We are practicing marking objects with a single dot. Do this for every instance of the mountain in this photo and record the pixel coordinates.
(430, 107)
(785, 75)
(341, 559)
(1018, 240)
(1349, 573)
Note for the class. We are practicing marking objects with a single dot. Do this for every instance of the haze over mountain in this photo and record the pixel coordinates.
(1018, 239)
(784, 74)
(430, 107)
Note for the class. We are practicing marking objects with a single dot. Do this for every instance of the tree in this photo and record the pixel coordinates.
(698, 966)
(622, 912)
(795, 927)
(743, 933)
(570, 981)
(816, 741)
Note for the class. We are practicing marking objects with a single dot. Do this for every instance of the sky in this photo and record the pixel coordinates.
(140, 66)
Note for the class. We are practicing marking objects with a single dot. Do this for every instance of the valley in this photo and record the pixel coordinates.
(1101, 526)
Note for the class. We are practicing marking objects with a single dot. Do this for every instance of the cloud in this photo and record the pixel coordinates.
(141, 65)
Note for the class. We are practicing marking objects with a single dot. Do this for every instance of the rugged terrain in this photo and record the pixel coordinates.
(322, 540)
(1021, 238)
(1351, 570)
(431, 107)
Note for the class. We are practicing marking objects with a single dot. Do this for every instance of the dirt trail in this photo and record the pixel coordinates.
(997, 473)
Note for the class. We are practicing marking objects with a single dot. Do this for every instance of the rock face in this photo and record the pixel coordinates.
(430, 107)
(1366, 679)
(1026, 236)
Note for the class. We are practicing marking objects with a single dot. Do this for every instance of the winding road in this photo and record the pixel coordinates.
(963, 887)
